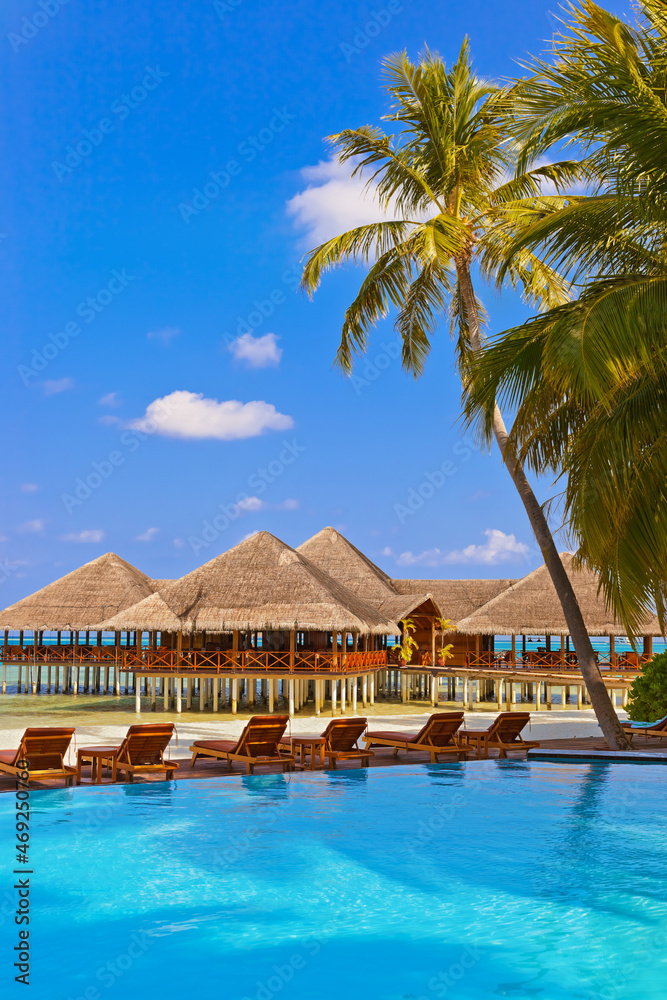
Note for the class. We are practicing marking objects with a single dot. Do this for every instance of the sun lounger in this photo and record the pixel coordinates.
(341, 742)
(141, 752)
(45, 750)
(657, 729)
(504, 734)
(258, 744)
(438, 736)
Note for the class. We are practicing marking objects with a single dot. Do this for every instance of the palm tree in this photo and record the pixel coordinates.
(589, 378)
(446, 176)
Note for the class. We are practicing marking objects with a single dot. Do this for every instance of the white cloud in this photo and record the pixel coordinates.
(334, 202)
(166, 334)
(257, 352)
(111, 399)
(250, 534)
(3, 538)
(29, 487)
(51, 387)
(251, 503)
(387, 551)
(148, 535)
(179, 543)
(188, 415)
(28, 527)
(92, 535)
(499, 547)
(109, 420)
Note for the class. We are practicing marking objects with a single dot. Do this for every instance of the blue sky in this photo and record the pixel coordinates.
(164, 170)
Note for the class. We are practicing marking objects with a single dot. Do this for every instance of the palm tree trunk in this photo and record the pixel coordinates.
(600, 700)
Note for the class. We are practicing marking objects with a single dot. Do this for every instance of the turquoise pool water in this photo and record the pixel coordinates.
(486, 879)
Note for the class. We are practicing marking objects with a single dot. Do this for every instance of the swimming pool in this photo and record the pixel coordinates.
(485, 879)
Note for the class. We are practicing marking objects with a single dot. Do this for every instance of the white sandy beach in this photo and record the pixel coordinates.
(543, 726)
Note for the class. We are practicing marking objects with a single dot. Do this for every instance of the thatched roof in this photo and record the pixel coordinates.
(79, 600)
(338, 557)
(263, 584)
(403, 605)
(456, 598)
(531, 607)
(153, 613)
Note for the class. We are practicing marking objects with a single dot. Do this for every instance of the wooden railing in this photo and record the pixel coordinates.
(254, 661)
(61, 654)
(551, 661)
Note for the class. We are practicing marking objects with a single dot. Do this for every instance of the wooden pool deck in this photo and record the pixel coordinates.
(572, 750)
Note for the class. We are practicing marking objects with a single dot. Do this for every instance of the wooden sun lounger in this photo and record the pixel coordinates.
(141, 752)
(438, 736)
(258, 744)
(503, 734)
(657, 730)
(341, 742)
(45, 750)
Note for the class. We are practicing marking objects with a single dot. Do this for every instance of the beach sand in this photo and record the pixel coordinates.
(104, 720)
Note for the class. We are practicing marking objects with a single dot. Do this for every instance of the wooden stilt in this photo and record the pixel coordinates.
(235, 694)
(354, 694)
(179, 694)
(271, 694)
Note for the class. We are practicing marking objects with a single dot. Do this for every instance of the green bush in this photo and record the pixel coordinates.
(648, 694)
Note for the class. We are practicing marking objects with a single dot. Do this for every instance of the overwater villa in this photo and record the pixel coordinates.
(264, 622)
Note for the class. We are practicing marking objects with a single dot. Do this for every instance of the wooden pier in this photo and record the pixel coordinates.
(340, 680)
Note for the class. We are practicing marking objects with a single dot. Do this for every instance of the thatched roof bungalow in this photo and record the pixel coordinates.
(259, 585)
(80, 599)
(530, 606)
(456, 598)
(338, 557)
